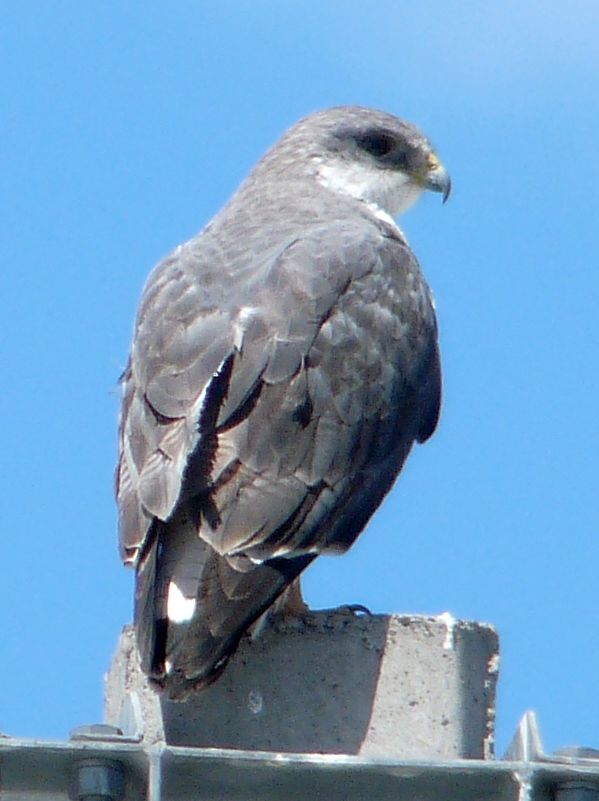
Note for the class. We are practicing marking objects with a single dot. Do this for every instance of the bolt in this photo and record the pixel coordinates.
(98, 780)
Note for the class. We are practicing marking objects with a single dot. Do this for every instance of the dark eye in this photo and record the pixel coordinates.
(377, 144)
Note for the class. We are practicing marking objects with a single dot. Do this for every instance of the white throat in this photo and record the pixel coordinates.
(388, 193)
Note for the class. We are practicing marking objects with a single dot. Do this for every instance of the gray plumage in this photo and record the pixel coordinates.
(283, 363)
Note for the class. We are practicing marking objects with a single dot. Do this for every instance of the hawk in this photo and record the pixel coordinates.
(284, 361)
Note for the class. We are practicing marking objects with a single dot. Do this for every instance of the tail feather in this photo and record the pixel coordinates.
(150, 625)
(193, 605)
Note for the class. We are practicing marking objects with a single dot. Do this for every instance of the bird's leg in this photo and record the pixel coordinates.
(291, 602)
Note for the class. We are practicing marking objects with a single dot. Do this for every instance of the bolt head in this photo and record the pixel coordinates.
(98, 779)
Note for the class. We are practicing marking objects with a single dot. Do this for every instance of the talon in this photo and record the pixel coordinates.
(358, 610)
(350, 609)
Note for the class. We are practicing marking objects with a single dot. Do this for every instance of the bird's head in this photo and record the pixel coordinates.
(369, 155)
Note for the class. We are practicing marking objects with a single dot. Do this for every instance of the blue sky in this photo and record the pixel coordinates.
(125, 127)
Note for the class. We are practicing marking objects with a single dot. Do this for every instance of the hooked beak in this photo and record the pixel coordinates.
(437, 178)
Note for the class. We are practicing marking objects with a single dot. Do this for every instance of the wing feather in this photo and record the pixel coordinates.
(268, 417)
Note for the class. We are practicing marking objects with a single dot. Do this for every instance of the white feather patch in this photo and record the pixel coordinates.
(244, 318)
(179, 609)
(388, 192)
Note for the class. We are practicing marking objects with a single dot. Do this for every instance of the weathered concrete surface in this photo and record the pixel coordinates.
(380, 686)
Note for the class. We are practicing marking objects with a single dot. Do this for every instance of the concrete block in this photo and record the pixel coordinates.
(404, 687)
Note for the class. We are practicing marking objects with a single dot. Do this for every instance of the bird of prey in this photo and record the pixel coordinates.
(283, 363)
